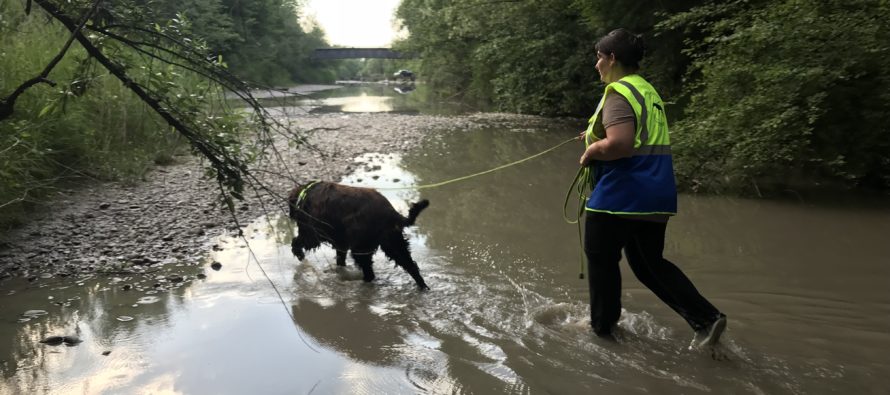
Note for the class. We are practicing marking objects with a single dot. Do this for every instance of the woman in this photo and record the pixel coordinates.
(634, 194)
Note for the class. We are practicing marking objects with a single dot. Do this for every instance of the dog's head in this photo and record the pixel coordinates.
(296, 197)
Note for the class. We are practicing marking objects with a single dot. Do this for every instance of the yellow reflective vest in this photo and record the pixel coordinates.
(643, 183)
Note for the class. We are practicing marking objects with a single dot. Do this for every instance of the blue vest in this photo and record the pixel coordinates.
(643, 183)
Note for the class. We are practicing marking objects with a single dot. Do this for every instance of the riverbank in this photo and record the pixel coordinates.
(173, 217)
(299, 90)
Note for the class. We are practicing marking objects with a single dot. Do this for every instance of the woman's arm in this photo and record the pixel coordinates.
(618, 143)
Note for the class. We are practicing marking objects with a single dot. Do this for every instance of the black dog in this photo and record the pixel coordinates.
(352, 219)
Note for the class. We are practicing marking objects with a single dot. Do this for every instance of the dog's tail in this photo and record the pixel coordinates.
(415, 210)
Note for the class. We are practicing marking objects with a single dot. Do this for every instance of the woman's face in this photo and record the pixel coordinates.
(604, 63)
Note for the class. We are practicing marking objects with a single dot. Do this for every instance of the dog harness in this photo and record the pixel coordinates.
(302, 195)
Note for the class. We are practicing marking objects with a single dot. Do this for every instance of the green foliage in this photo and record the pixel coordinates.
(789, 93)
(664, 63)
(153, 82)
(521, 56)
(261, 40)
(763, 94)
(89, 124)
(533, 56)
(374, 69)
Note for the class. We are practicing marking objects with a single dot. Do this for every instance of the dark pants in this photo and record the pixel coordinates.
(643, 244)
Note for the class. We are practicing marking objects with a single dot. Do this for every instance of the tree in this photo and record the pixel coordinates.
(788, 93)
(129, 40)
(534, 56)
(763, 94)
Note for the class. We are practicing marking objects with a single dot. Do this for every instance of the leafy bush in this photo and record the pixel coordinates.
(763, 94)
(88, 124)
(786, 94)
(526, 57)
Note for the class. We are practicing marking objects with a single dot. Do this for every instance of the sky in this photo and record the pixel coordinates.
(354, 23)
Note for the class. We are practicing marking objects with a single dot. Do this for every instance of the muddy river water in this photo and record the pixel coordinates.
(805, 287)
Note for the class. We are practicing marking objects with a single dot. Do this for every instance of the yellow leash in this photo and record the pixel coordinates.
(481, 173)
(581, 185)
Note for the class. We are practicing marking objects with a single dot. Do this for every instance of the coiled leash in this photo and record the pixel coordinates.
(582, 185)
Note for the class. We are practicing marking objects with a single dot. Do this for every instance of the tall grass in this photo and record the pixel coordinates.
(88, 125)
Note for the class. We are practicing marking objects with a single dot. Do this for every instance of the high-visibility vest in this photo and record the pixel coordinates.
(643, 183)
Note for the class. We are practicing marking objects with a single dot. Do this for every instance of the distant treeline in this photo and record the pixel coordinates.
(764, 95)
(260, 40)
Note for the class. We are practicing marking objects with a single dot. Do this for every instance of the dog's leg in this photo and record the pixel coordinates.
(341, 257)
(296, 246)
(396, 248)
(365, 261)
(411, 267)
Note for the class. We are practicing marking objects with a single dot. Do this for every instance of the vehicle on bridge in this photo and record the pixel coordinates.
(404, 74)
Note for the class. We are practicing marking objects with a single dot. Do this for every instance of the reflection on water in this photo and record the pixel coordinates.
(398, 99)
(360, 103)
(402, 99)
(405, 89)
(365, 99)
(804, 287)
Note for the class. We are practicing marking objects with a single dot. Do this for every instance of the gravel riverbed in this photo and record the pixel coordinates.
(172, 217)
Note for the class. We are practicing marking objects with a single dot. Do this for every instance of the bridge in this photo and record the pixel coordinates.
(358, 53)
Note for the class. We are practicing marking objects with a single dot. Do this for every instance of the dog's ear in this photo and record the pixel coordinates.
(292, 201)
(294, 194)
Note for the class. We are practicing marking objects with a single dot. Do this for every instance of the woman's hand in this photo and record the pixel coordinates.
(618, 143)
(586, 157)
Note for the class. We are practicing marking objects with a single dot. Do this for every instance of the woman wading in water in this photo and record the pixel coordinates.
(628, 150)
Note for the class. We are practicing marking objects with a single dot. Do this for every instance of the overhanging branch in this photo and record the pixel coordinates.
(229, 170)
(7, 105)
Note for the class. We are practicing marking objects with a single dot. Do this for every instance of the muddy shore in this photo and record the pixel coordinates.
(172, 218)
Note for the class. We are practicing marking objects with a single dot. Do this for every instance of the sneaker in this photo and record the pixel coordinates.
(710, 334)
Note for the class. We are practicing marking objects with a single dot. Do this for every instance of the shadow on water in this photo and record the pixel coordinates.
(506, 313)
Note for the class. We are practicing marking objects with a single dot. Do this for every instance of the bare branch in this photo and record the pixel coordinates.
(17, 142)
(7, 105)
(227, 166)
(16, 200)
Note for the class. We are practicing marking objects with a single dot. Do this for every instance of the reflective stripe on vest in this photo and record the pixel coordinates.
(646, 119)
(638, 103)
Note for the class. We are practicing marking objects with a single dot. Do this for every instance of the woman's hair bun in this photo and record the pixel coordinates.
(627, 47)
